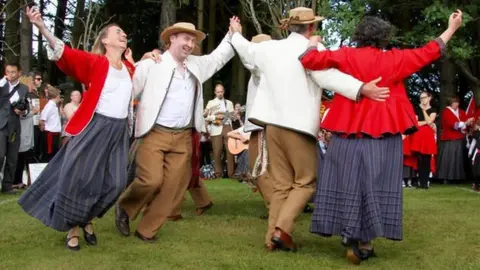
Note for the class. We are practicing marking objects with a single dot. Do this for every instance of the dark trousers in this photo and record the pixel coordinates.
(205, 150)
(52, 142)
(38, 142)
(9, 146)
(424, 170)
(23, 161)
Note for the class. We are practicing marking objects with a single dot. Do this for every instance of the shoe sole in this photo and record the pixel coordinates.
(352, 257)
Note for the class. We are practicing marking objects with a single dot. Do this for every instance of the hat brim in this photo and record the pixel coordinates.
(314, 20)
(165, 35)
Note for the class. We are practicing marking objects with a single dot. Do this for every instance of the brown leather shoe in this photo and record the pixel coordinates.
(146, 239)
(202, 210)
(283, 241)
(175, 218)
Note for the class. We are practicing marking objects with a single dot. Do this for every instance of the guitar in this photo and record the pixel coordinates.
(226, 115)
(235, 146)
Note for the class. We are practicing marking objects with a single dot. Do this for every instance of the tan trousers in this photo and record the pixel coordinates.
(264, 183)
(292, 167)
(199, 195)
(219, 143)
(164, 161)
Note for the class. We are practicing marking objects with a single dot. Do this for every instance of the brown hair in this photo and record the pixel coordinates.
(426, 92)
(52, 92)
(26, 79)
(98, 47)
(452, 100)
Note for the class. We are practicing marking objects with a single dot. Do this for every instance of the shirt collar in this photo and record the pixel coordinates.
(15, 84)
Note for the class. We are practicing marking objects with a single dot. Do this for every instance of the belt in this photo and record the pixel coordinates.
(171, 130)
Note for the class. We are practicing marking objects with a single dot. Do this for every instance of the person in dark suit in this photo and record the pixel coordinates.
(13, 104)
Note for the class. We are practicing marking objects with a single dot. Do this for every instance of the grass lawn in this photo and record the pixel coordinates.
(441, 231)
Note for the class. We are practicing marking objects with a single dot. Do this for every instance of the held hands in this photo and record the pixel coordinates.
(35, 17)
(314, 40)
(455, 20)
(154, 55)
(372, 91)
(235, 25)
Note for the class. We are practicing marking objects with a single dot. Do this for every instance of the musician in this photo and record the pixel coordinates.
(242, 158)
(219, 125)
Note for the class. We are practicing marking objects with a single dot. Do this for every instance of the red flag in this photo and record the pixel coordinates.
(472, 107)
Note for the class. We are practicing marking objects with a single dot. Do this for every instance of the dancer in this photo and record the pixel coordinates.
(291, 135)
(361, 199)
(423, 141)
(86, 176)
(169, 118)
(450, 163)
(255, 147)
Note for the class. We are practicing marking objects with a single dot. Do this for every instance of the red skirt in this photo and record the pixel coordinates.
(423, 141)
(409, 159)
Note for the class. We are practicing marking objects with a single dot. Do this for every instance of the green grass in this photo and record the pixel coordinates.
(441, 231)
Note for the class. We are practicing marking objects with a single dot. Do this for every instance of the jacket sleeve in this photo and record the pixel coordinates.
(211, 63)
(333, 79)
(407, 62)
(247, 51)
(75, 63)
(140, 76)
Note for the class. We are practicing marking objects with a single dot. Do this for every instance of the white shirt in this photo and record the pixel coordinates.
(116, 94)
(177, 107)
(223, 108)
(51, 116)
(15, 96)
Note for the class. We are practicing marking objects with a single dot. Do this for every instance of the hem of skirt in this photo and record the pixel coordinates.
(44, 221)
(328, 235)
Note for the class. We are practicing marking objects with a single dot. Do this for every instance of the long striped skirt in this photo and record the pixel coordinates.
(451, 158)
(84, 179)
(359, 189)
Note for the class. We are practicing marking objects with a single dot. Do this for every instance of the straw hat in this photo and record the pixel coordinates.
(181, 27)
(261, 37)
(301, 15)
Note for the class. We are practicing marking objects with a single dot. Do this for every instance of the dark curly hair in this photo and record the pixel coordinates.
(373, 32)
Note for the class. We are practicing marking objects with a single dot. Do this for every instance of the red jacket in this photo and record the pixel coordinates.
(449, 133)
(91, 70)
(366, 116)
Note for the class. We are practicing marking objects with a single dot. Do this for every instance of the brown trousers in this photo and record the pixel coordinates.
(164, 168)
(292, 167)
(199, 195)
(219, 143)
(264, 183)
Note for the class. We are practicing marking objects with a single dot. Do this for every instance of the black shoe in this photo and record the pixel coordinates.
(121, 221)
(73, 248)
(91, 239)
(146, 239)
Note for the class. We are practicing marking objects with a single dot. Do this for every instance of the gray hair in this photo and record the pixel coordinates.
(298, 28)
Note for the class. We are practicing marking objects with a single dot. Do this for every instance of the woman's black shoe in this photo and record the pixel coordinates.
(91, 239)
(74, 248)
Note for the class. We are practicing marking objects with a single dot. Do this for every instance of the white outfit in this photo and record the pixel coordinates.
(51, 116)
(116, 94)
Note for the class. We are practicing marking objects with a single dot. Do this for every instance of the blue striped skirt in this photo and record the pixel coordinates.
(359, 189)
(84, 179)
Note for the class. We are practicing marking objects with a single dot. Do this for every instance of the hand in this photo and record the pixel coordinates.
(469, 121)
(455, 20)
(235, 25)
(129, 55)
(35, 17)
(18, 112)
(154, 55)
(372, 91)
(316, 39)
(35, 110)
(243, 139)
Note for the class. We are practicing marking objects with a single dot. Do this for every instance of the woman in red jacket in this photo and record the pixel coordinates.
(359, 190)
(87, 175)
(450, 163)
(424, 145)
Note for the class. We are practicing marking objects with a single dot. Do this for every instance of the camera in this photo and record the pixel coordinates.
(21, 105)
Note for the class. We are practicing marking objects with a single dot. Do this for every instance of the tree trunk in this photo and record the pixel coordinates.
(200, 20)
(208, 86)
(168, 16)
(40, 58)
(12, 31)
(241, 86)
(26, 43)
(54, 75)
(78, 26)
(448, 83)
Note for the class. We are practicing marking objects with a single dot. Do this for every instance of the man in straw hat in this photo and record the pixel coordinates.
(256, 154)
(169, 118)
(291, 134)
